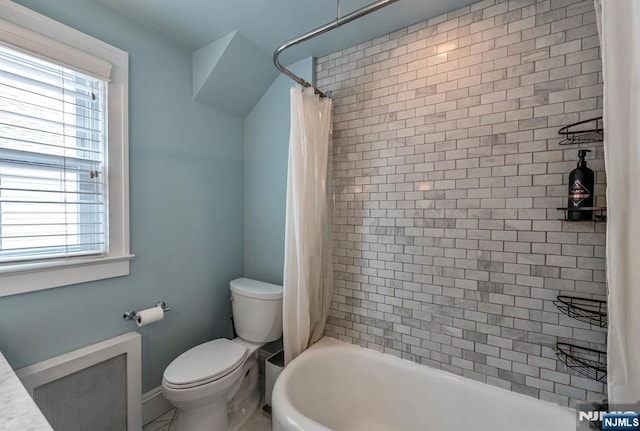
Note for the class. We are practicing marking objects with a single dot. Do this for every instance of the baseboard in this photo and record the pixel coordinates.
(154, 405)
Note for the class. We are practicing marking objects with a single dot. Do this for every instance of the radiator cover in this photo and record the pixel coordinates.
(95, 388)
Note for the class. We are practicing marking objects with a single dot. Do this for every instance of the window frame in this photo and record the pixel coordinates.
(41, 36)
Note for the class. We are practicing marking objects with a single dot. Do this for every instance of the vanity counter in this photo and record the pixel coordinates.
(18, 411)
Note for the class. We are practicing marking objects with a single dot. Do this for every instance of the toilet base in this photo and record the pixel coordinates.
(222, 413)
(202, 419)
(211, 417)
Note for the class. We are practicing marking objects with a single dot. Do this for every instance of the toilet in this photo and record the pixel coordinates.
(214, 386)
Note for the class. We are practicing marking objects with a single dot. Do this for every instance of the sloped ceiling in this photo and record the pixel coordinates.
(231, 74)
(264, 25)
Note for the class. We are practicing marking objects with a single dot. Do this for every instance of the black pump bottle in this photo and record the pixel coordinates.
(580, 190)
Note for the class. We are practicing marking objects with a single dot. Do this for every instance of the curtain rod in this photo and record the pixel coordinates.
(323, 29)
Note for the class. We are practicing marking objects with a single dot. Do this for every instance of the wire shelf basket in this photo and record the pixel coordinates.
(583, 132)
(598, 214)
(587, 310)
(587, 362)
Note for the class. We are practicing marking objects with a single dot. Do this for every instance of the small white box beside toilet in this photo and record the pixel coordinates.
(214, 385)
(273, 366)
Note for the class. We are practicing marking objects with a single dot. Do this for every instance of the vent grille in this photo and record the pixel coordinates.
(91, 399)
(94, 388)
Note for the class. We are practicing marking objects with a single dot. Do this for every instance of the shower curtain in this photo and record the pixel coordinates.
(308, 272)
(619, 24)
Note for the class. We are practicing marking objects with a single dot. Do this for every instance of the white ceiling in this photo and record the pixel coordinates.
(270, 23)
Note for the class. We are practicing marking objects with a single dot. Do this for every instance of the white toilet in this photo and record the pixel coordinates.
(214, 385)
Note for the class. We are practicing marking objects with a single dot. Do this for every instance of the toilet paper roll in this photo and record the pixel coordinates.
(149, 316)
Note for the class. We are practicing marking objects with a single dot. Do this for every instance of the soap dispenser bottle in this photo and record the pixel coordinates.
(580, 190)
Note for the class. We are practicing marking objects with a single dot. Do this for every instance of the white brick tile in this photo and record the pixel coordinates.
(549, 40)
(566, 48)
(521, 24)
(447, 172)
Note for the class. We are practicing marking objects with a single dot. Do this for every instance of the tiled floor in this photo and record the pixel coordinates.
(163, 423)
(260, 421)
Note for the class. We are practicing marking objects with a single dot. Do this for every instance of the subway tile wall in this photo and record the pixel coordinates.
(449, 249)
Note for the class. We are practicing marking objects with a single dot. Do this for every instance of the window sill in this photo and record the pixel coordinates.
(30, 277)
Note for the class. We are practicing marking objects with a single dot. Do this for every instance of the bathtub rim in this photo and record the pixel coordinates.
(281, 403)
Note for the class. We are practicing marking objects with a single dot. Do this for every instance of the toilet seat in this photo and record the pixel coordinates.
(204, 364)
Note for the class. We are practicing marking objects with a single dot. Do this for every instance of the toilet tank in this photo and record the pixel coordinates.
(257, 310)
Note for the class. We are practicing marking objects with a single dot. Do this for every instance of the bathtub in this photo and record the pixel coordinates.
(342, 387)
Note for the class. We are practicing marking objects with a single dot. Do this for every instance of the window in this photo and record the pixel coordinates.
(52, 145)
(63, 155)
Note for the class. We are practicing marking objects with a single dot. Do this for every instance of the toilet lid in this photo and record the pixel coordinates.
(205, 362)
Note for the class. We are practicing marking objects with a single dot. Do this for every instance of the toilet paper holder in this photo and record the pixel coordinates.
(132, 315)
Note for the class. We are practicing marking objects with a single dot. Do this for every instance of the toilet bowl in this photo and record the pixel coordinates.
(214, 386)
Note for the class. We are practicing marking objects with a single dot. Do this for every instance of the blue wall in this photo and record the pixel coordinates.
(266, 151)
(186, 185)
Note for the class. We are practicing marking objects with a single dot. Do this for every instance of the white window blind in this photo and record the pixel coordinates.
(52, 160)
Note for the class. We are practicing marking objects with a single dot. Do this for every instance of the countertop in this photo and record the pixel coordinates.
(18, 411)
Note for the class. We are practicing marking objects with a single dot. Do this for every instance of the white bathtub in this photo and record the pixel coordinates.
(342, 387)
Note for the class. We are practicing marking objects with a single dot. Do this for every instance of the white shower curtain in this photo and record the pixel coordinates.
(308, 272)
(619, 22)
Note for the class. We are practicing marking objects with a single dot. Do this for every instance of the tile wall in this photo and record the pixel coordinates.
(448, 247)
